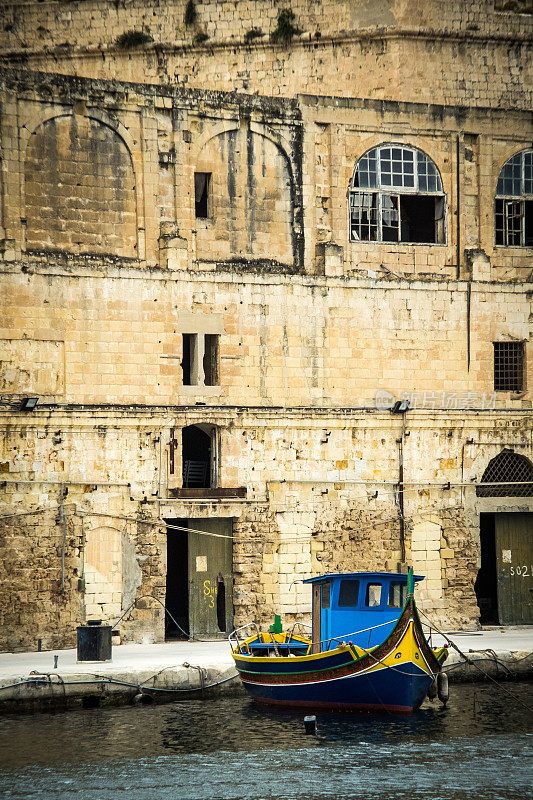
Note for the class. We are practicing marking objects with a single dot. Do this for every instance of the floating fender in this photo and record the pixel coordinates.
(442, 687)
(142, 699)
(432, 691)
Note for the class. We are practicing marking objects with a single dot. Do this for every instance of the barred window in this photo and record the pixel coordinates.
(396, 196)
(513, 471)
(514, 202)
(509, 364)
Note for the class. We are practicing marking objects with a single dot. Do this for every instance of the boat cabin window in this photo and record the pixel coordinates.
(397, 594)
(326, 592)
(373, 594)
(348, 593)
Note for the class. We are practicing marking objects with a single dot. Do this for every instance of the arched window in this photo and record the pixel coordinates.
(396, 196)
(513, 471)
(514, 202)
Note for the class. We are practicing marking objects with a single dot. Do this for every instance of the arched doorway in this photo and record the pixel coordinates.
(199, 456)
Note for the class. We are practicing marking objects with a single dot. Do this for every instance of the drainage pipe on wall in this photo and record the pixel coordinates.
(63, 521)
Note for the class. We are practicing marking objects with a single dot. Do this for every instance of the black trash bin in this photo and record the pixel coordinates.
(94, 641)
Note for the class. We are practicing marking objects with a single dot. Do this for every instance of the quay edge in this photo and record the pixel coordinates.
(166, 673)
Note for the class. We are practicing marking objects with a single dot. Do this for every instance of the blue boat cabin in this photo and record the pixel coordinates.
(348, 606)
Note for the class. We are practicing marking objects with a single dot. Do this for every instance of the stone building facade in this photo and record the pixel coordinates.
(224, 260)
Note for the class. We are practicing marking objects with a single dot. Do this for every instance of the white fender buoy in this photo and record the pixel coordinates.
(432, 691)
(442, 687)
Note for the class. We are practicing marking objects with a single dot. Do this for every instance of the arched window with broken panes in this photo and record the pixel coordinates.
(396, 195)
(514, 202)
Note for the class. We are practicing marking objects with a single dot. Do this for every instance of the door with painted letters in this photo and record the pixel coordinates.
(514, 559)
(210, 577)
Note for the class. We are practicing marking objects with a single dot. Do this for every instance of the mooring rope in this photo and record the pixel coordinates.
(472, 662)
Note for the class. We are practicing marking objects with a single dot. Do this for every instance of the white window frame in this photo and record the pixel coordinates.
(381, 190)
(509, 200)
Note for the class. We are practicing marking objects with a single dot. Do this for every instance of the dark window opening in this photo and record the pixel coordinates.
(397, 594)
(509, 366)
(348, 593)
(418, 218)
(513, 471)
(528, 223)
(211, 359)
(177, 581)
(202, 181)
(190, 344)
(373, 594)
(197, 447)
(200, 360)
(486, 585)
(326, 593)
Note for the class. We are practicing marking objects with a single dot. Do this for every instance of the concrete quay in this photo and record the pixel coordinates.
(172, 670)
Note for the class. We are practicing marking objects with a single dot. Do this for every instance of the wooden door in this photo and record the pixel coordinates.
(514, 566)
(210, 577)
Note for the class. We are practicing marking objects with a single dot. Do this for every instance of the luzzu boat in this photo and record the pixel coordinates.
(367, 650)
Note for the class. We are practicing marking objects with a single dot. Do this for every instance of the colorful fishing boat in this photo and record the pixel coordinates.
(367, 649)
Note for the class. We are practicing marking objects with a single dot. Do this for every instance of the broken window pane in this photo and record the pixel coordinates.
(389, 218)
(512, 222)
(363, 216)
(385, 217)
(514, 217)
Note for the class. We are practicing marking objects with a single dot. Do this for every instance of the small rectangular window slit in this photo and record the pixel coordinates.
(202, 184)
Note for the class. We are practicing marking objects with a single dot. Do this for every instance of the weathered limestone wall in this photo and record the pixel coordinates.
(90, 22)
(278, 169)
(37, 601)
(79, 188)
(474, 54)
(286, 340)
(105, 267)
(320, 497)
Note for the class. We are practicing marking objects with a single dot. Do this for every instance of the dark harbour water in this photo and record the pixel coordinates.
(480, 746)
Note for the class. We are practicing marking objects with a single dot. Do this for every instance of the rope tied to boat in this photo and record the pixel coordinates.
(473, 663)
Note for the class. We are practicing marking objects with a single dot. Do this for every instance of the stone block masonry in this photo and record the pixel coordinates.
(385, 47)
(215, 306)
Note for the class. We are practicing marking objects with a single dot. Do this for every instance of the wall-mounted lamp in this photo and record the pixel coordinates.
(400, 407)
(28, 403)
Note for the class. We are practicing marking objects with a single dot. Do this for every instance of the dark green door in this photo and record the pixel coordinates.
(210, 577)
(514, 564)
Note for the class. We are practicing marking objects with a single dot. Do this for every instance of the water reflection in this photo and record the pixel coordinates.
(231, 748)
